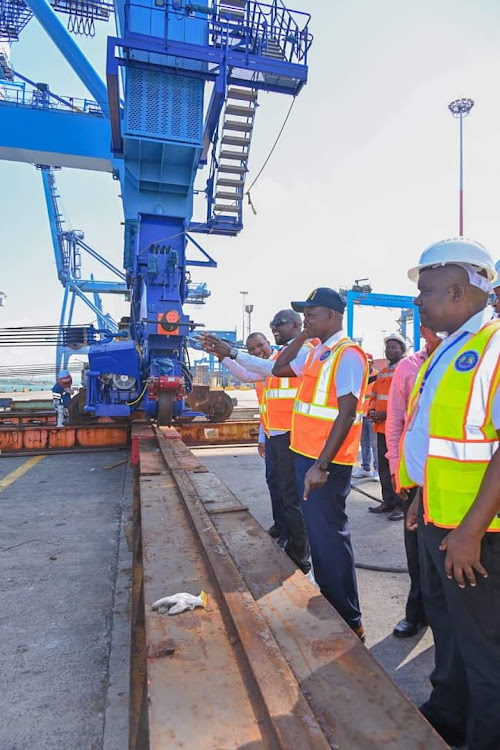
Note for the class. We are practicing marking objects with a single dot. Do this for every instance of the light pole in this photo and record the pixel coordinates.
(244, 294)
(249, 311)
(461, 108)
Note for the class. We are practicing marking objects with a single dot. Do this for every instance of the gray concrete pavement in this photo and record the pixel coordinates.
(59, 532)
(377, 542)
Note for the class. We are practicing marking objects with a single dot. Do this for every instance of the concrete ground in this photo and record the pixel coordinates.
(59, 532)
(377, 542)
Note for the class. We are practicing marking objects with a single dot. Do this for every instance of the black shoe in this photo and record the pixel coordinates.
(406, 629)
(396, 515)
(382, 508)
(273, 531)
(282, 542)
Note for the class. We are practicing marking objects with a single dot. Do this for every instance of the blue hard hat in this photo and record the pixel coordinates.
(63, 374)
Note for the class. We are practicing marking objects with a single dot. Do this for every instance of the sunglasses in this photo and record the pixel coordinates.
(279, 322)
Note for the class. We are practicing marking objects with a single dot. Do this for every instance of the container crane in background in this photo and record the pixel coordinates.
(151, 127)
(68, 246)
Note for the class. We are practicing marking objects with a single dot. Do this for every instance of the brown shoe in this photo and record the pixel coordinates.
(360, 632)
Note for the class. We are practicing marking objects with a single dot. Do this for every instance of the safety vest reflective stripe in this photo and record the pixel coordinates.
(382, 397)
(458, 451)
(322, 412)
(281, 393)
(312, 410)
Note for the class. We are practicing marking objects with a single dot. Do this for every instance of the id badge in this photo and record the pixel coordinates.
(412, 418)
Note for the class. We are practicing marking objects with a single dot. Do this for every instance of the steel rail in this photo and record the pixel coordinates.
(303, 675)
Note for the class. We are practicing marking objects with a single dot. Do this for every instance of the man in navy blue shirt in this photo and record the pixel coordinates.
(61, 393)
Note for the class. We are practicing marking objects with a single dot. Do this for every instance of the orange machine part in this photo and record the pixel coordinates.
(166, 323)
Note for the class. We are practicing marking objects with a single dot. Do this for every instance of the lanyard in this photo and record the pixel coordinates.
(436, 361)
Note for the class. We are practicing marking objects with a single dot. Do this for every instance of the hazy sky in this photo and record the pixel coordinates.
(364, 177)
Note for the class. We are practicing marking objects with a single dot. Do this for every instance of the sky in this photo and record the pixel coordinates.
(364, 178)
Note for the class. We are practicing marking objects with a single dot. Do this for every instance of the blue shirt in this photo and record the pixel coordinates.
(64, 392)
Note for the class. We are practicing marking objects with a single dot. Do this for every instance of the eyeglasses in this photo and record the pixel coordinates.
(279, 322)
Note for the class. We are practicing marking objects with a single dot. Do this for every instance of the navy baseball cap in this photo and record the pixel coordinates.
(322, 297)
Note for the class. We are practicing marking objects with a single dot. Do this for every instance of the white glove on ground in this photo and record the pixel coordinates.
(178, 603)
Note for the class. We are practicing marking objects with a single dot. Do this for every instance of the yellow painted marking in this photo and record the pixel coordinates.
(19, 472)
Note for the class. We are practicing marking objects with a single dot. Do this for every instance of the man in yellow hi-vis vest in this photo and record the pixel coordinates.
(450, 447)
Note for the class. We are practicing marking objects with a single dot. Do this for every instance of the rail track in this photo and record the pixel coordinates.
(268, 663)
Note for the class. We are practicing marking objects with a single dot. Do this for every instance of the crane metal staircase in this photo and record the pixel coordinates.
(270, 31)
(234, 151)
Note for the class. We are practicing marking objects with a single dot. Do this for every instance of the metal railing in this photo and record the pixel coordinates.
(22, 95)
(264, 28)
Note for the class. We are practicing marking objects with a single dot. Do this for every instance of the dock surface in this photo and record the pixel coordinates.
(59, 564)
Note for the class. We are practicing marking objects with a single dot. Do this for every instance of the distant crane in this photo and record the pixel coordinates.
(68, 246)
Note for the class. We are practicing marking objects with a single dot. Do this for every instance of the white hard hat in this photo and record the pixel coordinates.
(496, 283)
(455, 250)
(396, 337)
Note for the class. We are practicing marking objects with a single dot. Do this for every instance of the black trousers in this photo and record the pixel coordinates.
(274, 492)
(464, 705)
(388, 495)
(297, 547)
(414, 605)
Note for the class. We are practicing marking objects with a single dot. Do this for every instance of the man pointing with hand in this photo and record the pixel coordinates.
(325, 436)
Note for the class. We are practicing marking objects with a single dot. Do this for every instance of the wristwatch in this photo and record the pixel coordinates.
(233, 352)
(323, 465)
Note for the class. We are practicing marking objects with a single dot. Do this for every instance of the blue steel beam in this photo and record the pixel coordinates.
(57, 138)
(214, 55)
(55, 226)
(70, 50)
(101, 287)
(383, 300)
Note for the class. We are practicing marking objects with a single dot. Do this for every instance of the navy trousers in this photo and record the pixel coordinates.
(330, 538)
(274, 491)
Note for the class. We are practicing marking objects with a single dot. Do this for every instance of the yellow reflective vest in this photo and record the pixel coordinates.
(462, 436)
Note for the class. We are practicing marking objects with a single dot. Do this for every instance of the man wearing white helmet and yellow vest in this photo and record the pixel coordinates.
(450, 447)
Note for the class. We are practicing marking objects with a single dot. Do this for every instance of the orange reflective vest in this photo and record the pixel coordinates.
(280, 398)
(261, 398)
(462, 436)
(368, 394)
(380, 395)
(316, 406)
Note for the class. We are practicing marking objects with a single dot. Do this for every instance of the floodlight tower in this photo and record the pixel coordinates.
(461, 108)
(244, 295)
(249, 311)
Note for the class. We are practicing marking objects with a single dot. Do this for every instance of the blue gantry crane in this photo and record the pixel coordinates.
(153, 127)
(68, 245)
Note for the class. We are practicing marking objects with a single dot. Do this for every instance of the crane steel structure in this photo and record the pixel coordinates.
(68, 245)
(152, 128)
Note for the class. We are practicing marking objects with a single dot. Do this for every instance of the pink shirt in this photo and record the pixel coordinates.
(399, 395)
